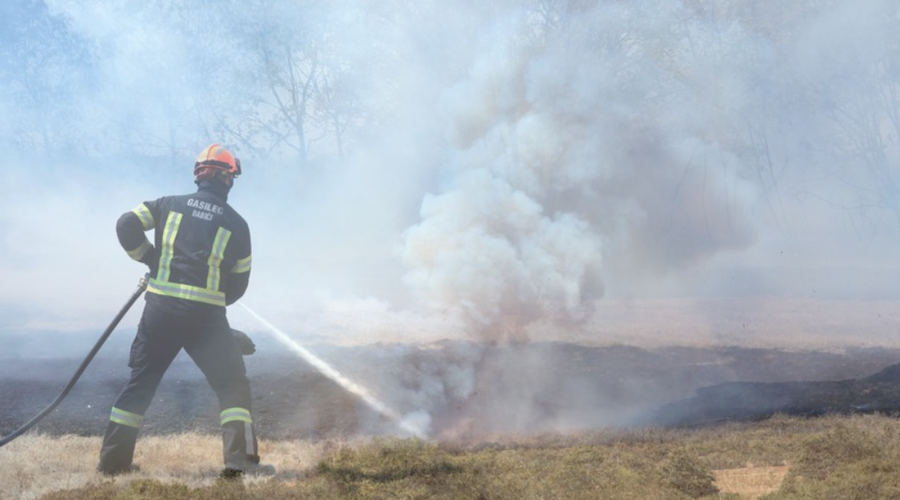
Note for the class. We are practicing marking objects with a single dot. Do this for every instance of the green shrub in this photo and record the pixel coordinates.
(822, 454)
(689, 475)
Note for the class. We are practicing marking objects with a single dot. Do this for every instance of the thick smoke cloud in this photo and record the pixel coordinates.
(582, 145)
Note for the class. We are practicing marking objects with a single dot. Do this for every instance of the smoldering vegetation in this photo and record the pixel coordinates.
(465, 392)
(491, 391)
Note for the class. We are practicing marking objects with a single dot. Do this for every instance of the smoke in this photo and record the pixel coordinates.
(568, 158)
(563, 160)
(504, 170)
(491, 252)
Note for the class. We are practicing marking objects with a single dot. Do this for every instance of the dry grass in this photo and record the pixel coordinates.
(781, 322)
(34, 464)
(751, 482)
(778, 459)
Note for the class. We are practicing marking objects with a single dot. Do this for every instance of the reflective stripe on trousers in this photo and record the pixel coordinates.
(126, 418)
(236, 417)
(236, 414)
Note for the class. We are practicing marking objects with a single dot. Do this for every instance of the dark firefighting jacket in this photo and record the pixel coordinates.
(200, 258)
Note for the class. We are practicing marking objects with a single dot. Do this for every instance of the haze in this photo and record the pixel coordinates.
(419, 170)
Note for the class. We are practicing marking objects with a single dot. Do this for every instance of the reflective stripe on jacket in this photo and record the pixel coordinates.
(201, 251)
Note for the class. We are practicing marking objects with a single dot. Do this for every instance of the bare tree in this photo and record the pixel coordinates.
(46, 67)
(292, 76)
(297, 96)
(855, 85)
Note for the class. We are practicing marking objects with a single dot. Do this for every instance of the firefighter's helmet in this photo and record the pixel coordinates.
(216, 162)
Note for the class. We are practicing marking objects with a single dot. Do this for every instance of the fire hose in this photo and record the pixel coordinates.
(142, 285)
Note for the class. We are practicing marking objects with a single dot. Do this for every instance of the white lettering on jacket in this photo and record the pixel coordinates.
(202, 215)
(204, 209)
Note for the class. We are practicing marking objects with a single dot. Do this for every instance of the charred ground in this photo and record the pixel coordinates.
(581, 387)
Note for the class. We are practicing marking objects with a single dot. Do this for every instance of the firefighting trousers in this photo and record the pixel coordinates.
(208, 341)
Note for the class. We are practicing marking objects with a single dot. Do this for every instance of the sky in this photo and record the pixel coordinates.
(515, 167)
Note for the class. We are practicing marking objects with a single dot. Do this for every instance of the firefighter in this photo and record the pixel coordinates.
(199, 263)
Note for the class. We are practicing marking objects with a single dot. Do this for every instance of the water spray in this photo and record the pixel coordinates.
(329, 371)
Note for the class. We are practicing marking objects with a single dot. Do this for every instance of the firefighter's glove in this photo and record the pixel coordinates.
(246, 346)
(151, 260)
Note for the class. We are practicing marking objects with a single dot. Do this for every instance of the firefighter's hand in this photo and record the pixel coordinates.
(151, 260)
(246, 345)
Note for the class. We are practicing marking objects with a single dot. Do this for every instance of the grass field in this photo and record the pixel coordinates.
(781, 458)
(834, 457)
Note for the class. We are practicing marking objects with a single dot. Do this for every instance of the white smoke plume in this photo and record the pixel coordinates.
(569, 154)
(565, 154)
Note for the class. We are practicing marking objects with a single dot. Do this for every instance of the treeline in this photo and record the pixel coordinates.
(779, 86)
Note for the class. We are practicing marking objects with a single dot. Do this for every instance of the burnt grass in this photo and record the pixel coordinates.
(670, 387)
